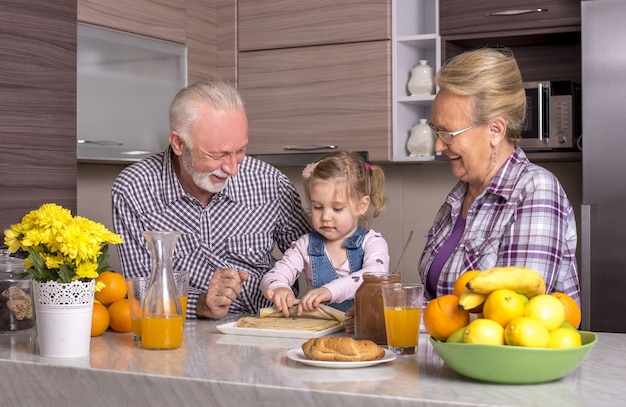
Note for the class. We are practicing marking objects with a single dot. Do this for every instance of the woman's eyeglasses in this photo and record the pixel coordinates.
(448, 136)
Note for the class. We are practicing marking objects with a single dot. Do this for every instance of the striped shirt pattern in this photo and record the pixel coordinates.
(523, 218)
(259, 210)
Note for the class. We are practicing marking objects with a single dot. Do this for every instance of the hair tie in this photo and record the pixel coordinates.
(367, 166)
(308, 170)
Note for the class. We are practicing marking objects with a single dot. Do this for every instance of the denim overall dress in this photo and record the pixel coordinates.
(322, 269)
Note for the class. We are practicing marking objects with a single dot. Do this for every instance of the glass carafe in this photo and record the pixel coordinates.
(161, 314)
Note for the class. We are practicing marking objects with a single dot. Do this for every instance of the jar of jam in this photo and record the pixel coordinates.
(369, 314)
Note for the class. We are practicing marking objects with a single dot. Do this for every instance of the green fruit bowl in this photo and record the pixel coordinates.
(513, 364)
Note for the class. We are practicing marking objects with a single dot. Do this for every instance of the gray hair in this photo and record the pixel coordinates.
(491, 77)
(189, 102)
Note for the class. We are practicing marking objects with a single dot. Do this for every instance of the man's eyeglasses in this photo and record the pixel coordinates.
(448, 136)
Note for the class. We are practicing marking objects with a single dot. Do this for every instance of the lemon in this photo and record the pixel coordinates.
(546, 309)
(564, 338)
(502, 306)
(484, 331)
(528, 332)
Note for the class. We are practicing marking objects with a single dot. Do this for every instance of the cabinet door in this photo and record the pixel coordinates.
(463, 17)
(324, 95)
(272, 24)
(153, 18)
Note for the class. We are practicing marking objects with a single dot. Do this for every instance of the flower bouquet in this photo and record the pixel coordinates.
(61, 247)
(65, 256)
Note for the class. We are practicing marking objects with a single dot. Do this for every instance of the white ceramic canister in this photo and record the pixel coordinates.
(422, 81)
(421, 143)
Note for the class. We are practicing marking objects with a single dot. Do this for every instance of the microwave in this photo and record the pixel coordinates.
(553, 116)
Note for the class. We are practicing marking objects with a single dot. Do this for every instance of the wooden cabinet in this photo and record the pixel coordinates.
(316, 73)
(322, 95)
(272, 24)
(190, 22)
(463, 17)
(152, 18)
(37, 107)
(544, 35)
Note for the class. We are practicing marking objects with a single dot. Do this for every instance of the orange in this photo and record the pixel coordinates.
(484, 331)
(572, 310)
(114, 287)
(528, 332)
(119, 312)
(502, 306)
(99, 319)
(546, 309)
(564, 338)
(442, 317)
(462, 280)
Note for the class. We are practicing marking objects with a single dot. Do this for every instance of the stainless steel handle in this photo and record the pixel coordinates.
(101, 142)
(515, 12)
(309, 148)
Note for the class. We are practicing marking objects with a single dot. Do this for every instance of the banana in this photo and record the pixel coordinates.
(519, 279)
(471, 301)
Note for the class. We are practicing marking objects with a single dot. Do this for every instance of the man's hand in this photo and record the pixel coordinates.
(223, 289)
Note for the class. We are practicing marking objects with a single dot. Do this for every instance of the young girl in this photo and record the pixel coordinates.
(340, 188)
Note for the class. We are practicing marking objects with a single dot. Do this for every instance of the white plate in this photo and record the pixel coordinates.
(229, 328)
(297, 355)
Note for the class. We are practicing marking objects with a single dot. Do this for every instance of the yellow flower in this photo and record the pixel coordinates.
(86, 270)
(61, 247)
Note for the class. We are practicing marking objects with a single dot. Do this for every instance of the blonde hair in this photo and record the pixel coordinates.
(189, 102)
(491, 77)
(362, 179)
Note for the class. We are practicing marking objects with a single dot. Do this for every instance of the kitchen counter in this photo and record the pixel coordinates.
(213, 369)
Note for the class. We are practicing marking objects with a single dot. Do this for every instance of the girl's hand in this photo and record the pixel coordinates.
(283, 299)
(313, 298)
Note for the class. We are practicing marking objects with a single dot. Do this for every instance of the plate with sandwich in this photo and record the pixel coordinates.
(271, 322)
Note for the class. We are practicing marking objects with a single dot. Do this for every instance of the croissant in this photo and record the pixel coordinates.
(343, 349)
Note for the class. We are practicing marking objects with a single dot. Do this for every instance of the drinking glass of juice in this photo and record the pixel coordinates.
(137, 287)
(403, 310)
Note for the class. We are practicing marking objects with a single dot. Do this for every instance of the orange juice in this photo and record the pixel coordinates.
(162, 332)
(135, 324)
(183, 305)
(402, 326)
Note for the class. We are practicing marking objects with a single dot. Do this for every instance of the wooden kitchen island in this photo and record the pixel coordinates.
(214, 369)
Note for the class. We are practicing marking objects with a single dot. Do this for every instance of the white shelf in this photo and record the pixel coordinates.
(415, 37)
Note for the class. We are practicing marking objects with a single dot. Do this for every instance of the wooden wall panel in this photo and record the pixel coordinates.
(37, 106)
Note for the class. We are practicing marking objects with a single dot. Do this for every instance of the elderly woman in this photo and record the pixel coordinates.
(504, 211)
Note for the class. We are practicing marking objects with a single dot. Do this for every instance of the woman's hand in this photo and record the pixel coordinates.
(348, 323)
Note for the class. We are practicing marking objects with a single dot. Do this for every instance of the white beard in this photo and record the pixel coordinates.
(202, 179)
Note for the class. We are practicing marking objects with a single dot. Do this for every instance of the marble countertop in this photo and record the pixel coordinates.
(214, 369)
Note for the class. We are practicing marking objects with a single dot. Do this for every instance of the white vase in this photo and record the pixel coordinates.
(422, 81)
(421, 143)
(63, 317)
